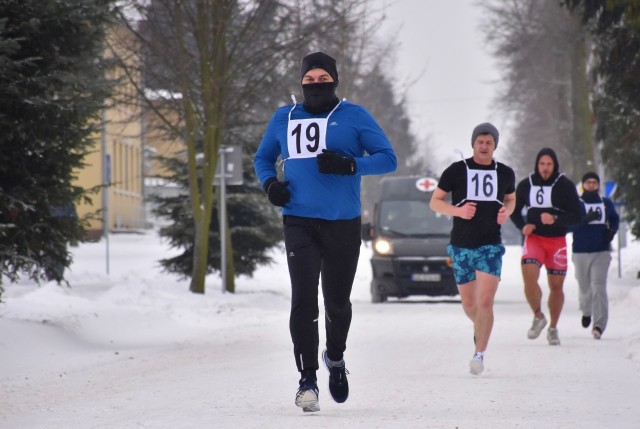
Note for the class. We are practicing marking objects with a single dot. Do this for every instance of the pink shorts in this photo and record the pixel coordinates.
(548, 251)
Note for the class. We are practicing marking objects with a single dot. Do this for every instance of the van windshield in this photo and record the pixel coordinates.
(412, 218)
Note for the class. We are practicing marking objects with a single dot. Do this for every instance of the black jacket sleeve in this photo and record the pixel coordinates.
(571, 210)
(522, 191)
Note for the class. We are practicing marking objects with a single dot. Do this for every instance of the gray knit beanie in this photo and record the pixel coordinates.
(485, 128)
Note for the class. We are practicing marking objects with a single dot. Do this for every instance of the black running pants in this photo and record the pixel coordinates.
(318, 247)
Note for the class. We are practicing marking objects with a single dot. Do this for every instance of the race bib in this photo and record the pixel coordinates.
(540, 197)
(306, 137)
(597, 208)
(482, 185)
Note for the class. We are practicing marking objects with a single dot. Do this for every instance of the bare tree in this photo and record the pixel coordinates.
(543, 51)
(615, 29)
(366, 64)
(215, 69)
(207, 59)
(217, 63)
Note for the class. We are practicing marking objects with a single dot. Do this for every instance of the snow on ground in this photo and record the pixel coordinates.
(135, 349)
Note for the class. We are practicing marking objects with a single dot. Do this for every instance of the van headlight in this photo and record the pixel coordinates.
(383, 247)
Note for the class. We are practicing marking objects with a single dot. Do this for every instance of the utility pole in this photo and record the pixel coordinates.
(229, 171)
(106, 179)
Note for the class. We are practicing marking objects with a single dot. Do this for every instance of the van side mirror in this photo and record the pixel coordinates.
(366, 232)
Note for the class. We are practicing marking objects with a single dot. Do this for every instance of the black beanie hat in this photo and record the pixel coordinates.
(590, 175)
(485, 128)
(319, 60)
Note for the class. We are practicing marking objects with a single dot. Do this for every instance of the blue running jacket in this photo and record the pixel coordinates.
(298, 137)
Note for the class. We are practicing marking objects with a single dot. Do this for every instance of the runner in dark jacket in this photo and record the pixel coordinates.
(591, 253)
(547, 205)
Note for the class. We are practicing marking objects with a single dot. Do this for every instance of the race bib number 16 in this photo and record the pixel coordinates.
(306, 137)
(482, 185)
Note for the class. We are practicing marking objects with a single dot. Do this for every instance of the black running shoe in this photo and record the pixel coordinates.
(338, 384)
(586, 321)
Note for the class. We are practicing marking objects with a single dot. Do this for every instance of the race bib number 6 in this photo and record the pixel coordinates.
(540, 197)
(306, 137)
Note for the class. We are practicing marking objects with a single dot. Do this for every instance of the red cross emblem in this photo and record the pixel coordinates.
(426, 184)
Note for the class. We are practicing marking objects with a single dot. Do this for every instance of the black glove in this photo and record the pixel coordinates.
(591, 216)
(333, 163)
(609, 234)
(277, 192)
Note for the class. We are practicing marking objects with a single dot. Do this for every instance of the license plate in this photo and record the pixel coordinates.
(425, 277)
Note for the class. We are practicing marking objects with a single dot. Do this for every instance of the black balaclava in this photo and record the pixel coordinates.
(319, 97)
(485, 128)
(590, 196)
(556, 167)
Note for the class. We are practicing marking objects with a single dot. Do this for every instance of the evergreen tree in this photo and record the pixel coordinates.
(52, 89)
(615, 26)
(254, 227)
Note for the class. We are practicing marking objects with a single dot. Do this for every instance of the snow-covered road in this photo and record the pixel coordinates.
(136, 350)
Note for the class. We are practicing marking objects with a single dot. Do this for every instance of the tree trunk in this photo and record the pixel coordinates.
(200, 253)
(214, 71)
(231, 271)
(583, 132)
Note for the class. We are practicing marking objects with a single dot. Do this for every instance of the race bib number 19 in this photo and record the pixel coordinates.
(306, 137)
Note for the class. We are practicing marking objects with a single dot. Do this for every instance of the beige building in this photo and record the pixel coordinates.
(160, 139)
(117, 156)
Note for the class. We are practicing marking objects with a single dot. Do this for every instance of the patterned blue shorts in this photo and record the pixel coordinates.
(466, 262)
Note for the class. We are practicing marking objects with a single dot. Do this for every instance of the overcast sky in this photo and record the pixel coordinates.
(442, 43)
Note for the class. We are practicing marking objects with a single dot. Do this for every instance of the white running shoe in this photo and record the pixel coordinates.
(536, 327)
(596, 332)
(552, 337)
(476, 365)
(307, 396)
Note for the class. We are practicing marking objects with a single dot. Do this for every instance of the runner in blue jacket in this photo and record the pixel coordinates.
(326, 146)
(591, 253)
